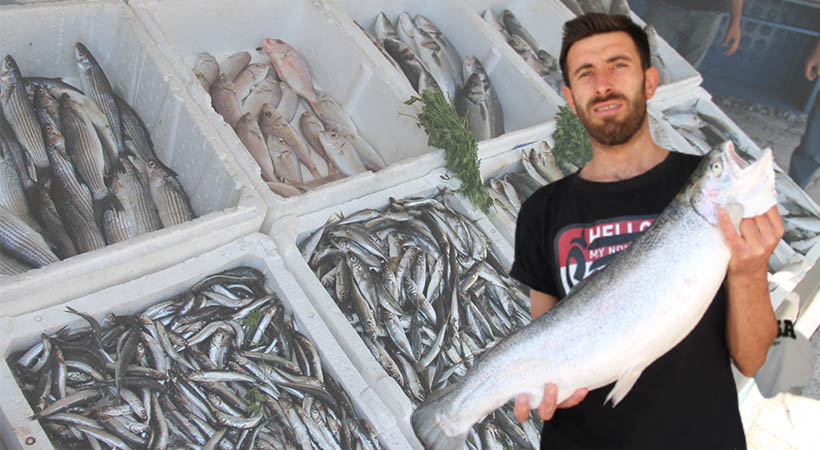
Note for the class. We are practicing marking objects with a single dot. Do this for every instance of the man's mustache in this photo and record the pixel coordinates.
(613, 96)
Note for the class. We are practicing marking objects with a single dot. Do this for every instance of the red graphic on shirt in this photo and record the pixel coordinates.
(583, 249)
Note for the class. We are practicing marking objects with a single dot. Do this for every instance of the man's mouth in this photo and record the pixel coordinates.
(607, 108)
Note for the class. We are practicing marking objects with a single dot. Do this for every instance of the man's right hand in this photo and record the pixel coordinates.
(549, 404)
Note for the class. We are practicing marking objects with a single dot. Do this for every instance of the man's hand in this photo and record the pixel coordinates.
(732, 39)
(813, 63)
(754, 245)
(548, 404)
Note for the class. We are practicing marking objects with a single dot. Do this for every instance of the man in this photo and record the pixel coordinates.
(695, 23)
(806, 157)
(687, 398)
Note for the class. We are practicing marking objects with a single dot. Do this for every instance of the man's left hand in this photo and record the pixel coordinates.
(732, 39)
(754, 245)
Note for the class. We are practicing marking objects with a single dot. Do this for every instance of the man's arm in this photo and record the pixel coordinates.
(751, 327)
(733, 31)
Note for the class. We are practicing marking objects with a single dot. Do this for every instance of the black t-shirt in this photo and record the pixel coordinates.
(708, 5)
(686, 399)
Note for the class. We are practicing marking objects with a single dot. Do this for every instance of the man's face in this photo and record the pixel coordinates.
(609, 87)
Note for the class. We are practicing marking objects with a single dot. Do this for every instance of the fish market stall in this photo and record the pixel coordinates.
(336, 65)
(262, 307)
(202, 196)
(459, 268)
(522, 98)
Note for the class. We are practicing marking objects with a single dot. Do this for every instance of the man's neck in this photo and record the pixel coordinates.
(621, 162)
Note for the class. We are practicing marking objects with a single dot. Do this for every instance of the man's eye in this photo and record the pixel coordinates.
(620, 65)
(585, 74)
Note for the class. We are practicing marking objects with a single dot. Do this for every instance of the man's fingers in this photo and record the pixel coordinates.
(576, 397)
(777, 222)
(732, 238)
(521, 411)
(547, 408)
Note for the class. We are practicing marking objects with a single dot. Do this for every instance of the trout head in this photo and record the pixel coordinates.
(723, 179)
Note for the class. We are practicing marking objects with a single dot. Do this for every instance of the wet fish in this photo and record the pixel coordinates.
(206, 69)
(291, 67)
(273, 124)
(490, 18)
(341, 153)
(224, 99)
(139, 215)
(96, 86)
(444, 419)
(285, 162)
(480, 103)
(268, 91)
(20, 241)
(45, 211)
(135, 131)
(513, 26)
(19, 114)
(168, 195)
(12, 195)
(432, 54)
(384, 29)
(289, 102)
(410, 65)
(252, 75)
(251, 136)
(450, 51)
(234, 64)
(87, 155)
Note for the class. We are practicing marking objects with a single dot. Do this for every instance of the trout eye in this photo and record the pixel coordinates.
(716, 166)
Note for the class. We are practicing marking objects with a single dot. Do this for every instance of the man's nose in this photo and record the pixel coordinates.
(603, 83)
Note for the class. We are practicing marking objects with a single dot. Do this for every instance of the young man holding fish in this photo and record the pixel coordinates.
(572, 228)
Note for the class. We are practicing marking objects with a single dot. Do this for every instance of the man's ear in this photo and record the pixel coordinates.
(652, 78)
(568, 97)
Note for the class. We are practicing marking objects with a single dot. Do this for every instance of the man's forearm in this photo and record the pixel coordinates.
(751, 326)
(735, 11)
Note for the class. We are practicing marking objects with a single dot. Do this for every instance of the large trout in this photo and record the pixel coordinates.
(597, 335)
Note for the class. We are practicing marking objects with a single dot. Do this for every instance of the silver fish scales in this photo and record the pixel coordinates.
(425, 336)
(233, 398)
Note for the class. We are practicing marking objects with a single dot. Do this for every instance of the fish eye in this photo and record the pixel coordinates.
(268, 114)
(282, 141)
(716, 166)
(48, 127)
(333, 134)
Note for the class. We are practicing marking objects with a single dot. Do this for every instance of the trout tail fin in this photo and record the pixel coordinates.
(431, 427)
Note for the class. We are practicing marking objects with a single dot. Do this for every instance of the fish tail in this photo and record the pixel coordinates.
(428, 424)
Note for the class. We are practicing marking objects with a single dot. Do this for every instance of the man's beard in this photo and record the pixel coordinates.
(612, 132)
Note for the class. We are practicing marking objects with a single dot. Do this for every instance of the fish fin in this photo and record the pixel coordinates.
(427, 423)
(105, 203)
(623, 385)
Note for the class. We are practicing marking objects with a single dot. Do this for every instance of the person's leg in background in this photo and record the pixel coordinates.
(704, 27)
(806, 157)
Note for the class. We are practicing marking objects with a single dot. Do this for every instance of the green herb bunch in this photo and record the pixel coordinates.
(572, 149)
(447, 130)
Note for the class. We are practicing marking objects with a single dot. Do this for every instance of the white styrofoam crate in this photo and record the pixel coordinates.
(545, 21)
(290, 230)
(525, 100)
(255, 250)
(338, 64)
(41, 39)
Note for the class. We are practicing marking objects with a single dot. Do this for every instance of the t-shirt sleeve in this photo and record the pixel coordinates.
(532, 265)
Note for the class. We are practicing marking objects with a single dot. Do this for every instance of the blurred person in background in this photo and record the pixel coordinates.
(695, 23)
(806, 157)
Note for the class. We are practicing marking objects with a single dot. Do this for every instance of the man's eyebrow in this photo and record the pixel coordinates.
(609, 60)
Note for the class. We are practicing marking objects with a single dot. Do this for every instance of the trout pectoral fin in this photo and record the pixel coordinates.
(623, 385)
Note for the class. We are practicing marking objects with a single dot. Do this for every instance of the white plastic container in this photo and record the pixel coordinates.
(256, 251)
(290, 230)
(525, 100)
(41, 39)
(338, 66)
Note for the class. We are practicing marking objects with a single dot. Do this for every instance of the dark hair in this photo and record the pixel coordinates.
(591, 24)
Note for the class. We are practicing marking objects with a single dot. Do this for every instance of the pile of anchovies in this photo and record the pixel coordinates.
(422, 287)
(78, 169)
(219, 366)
